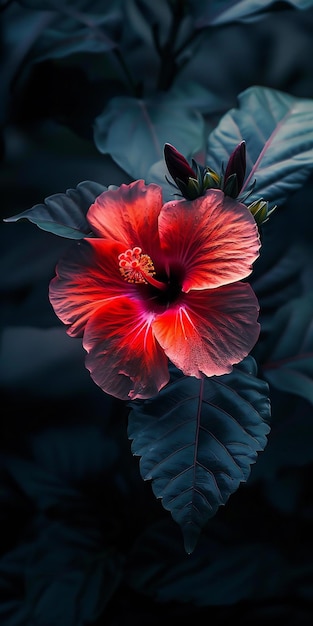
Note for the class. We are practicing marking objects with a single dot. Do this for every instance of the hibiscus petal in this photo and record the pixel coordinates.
(124, 358)
(213, 238)
(129, 215)
(86, 277)
(209, 331)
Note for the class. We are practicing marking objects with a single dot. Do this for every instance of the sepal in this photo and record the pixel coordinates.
(260, 211)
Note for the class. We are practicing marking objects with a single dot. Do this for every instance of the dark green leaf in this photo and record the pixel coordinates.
(73, 7)
(221, 12)
(134, 131)
(40, 486)
(78, 563)
(199, 97)
(278, 131)
(159, 567)
(290, 443)
(64, 214)
(295, 377)
(197, 440)
(277, 277)
(287, 354)
(56, 44)
(66, 28)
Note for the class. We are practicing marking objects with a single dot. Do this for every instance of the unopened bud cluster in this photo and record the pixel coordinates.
(194, 181)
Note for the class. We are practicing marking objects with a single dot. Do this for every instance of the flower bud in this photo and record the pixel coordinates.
(177, 165)
(193, 181)
(235, 171)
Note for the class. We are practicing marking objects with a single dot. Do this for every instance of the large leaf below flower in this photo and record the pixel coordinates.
(197, 440)
(278, 131)
(64, 214)
(134, 131)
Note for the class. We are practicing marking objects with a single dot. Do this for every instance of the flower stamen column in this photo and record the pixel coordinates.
(136, 267)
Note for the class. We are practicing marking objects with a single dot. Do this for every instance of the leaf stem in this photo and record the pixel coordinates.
(135, 87)
(170, 66)
(168, 63)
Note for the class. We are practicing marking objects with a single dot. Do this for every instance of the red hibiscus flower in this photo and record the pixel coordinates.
(157, 283)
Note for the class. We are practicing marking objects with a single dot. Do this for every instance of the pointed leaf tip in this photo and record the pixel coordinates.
(197, 440)
(64, 214)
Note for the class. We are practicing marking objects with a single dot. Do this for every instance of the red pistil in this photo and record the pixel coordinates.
(136, 267)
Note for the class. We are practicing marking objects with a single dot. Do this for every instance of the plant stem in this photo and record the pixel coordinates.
(136, 88)
(168, 64)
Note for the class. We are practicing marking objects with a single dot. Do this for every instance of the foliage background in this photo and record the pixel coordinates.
(84, 541)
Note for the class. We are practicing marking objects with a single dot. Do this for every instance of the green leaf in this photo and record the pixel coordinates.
(56, 44)
(295, 377)
(134, 131)
(277, 277)
(39, 485)
(199, 97)
(79, 563)
(287, 354)
(221, 12)
(197, 440)
(158, 567)
(278, 131)
(64, 214)
(79, 9)
(64, 29)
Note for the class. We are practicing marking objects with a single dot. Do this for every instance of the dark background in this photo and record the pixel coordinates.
(83, 540)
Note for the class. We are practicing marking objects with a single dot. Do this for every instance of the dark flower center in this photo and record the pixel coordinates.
(137, 267)
(169, 295)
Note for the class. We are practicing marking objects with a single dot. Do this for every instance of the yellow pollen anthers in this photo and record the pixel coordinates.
(135, 266)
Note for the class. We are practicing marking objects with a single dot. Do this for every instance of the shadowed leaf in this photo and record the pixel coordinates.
(288, 352)
(197, 440)
(278, 131)
(221, 12)
(134, 131)
(64, 213)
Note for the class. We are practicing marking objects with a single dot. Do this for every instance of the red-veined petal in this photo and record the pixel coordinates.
(214, 238)
(86, 277)
(209, 331)
(124, 358)
(129, 215)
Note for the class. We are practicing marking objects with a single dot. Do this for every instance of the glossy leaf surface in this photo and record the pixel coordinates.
(224, 12)
(134, 131)
(64, 214)
(288, 352)
(197, 440)
(278, 130)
